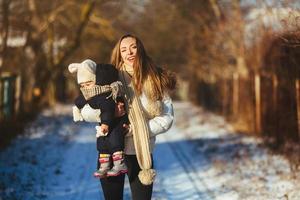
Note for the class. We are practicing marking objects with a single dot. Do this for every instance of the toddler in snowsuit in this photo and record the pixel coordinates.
(100, 90)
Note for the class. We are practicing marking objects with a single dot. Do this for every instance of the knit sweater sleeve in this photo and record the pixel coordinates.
(163, 122)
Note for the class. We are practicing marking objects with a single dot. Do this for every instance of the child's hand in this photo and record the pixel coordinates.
(104, 128)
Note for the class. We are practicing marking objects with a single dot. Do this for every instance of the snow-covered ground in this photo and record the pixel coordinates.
(199, 158)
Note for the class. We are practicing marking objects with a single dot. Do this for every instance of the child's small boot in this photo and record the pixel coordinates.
(104, 166)
(119, 165)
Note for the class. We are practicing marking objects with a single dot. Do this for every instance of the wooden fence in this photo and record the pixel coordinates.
(267, 104)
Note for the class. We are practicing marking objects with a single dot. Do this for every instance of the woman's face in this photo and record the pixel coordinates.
(128, 50)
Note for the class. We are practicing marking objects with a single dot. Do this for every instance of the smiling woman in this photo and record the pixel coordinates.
(150, 113)
(128, 50)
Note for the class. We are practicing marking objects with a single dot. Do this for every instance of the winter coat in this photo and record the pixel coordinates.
(105, 75)
(106, 105)
(157, 125)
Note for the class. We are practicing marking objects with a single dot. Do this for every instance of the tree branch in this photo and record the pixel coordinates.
(85, 15)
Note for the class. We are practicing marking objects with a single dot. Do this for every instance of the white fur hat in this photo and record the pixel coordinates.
(86, 71)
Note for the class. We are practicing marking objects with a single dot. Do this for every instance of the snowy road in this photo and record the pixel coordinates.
(199, 158)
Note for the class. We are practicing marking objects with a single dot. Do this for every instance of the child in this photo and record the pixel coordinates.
(100, 87)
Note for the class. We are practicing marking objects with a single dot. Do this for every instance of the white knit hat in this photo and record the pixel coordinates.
(86, 71)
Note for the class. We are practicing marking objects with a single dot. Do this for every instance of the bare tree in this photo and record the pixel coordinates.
(4, 29)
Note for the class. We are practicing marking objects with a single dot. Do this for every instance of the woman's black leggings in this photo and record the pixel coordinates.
(113, 187)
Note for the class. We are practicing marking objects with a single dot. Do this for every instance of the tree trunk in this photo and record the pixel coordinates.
(235, 106)
(274, 104)
(298, 103)
(257, 104)
(5, 30)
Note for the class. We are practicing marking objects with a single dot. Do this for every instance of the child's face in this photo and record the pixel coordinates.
(88, 84)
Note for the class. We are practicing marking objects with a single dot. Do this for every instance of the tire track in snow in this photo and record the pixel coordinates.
(191, 171)
(85, 176)
(177, 179)
(183, 144)
(75, 181)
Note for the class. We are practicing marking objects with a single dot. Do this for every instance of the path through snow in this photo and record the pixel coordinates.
(199, 158)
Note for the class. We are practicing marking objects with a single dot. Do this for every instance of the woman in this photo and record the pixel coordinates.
(150, 113)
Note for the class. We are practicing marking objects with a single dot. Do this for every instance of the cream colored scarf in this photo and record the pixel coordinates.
(114, 88)
(139, 126)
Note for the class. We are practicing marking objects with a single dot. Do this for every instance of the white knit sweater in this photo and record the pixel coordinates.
(157, 125)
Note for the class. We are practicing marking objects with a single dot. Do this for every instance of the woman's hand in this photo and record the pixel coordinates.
(119, 112)
(120, 109)
(104, 128)
(127, 128)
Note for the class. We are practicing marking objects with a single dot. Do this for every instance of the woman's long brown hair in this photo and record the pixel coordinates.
(144, 69)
